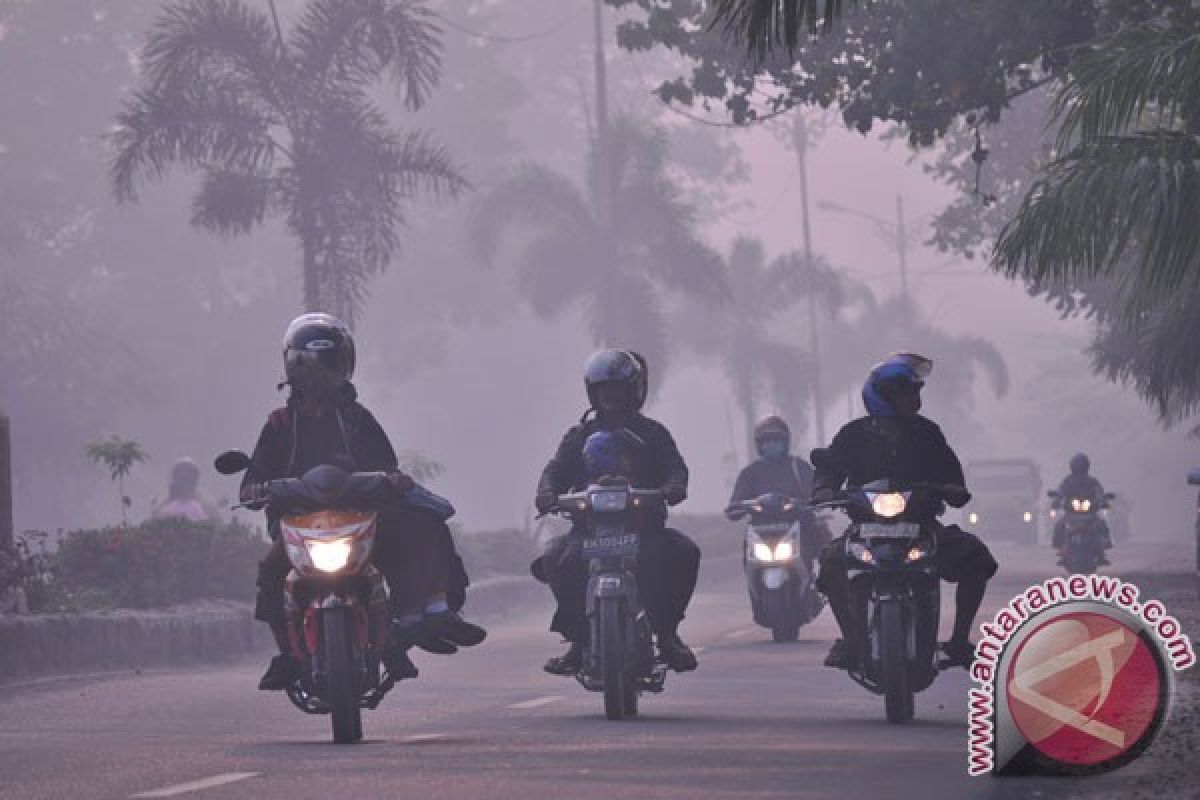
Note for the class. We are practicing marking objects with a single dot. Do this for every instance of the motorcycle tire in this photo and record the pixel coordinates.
(341, 682)
(785, 632)
(893, 666)
(611, 623)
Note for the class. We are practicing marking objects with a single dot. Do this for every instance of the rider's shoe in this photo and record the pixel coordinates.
(957, 653)
(841, 655)
(451, 627)
(412, 631)
(675, 654)
(282, 673)
(569, 663)
(397, 663)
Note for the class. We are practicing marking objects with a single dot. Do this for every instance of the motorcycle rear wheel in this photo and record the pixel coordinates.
(341, 684)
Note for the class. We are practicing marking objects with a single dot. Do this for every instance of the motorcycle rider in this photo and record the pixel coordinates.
(895, 442)
(1080, 483)
(669, 562)
(778, 471)
(323, 423)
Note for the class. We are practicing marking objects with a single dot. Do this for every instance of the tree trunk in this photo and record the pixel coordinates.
(606, 185)
(310, 245)
(6, 509)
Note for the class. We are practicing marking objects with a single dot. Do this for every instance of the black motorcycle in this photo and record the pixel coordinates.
(1083, 531)
(778, 575)
(336, 601)
(619, 659)
(895, 591)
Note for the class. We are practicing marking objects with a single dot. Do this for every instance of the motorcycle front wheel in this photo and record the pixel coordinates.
(893, 666)
(611, 625)
(341, 683)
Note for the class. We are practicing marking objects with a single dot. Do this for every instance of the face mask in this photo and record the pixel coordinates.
(774, 449)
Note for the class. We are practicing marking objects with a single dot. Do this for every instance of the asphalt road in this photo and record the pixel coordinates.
(758, 719)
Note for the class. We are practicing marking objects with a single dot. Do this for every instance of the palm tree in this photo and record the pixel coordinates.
(617, 266)
(765, 25)
(1125, 195)
(118, 456)
(743, 335)
(286, 126)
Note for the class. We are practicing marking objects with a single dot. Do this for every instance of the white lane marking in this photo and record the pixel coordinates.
(537, 702)
(423, 737)
(699, 650)
(196, 786)
(739, 633)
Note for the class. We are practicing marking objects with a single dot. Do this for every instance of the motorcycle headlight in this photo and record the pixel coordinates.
(859, 551)
(891, 504)
(1028, 516)
(329, 556)
(1081, 504)
(762, 551)
(784, 550)
(916, 553)
(973, 518)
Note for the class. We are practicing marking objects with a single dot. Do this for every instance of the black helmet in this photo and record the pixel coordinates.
(772, 427)
(318, 351)
(1080, 464)
(617, 366)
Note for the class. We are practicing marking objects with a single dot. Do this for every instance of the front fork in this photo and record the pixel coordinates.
(371, 620)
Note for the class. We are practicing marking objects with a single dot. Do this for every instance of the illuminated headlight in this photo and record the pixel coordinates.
(329, 556)
(916, 554)
(784, 550)
(973, 518)
(860, 552)
(1080, 504)
(1028, 516)
(762, 551)
(889, 505)
(1054, 513)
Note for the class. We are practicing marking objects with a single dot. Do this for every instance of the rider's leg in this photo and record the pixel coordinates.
(668, 567)
(964, 559)
(832, 582)
(564, 570)
(268, 607)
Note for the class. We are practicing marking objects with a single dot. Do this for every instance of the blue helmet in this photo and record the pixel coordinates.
(898, 368)
(608, 453)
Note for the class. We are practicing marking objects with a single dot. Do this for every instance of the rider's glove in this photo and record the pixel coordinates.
(545, 502)
(674, 493)
(400, 481)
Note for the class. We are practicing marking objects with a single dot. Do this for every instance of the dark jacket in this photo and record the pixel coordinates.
(655, 464)
(902, 449)
(791, 476)
(1081, 486)
(291, 443)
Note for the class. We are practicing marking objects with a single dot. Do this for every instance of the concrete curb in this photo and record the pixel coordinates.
(205, 633)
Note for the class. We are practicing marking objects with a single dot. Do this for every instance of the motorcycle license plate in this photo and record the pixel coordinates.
(613, 545)
(890, 530)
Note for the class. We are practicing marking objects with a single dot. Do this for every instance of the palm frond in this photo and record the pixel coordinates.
(1134, 195)
(533, 196)
(213, 41)
(195, 128)
(792, 276)
(358, 42)
(232, 203)
(624, 311)
(766, 25)
(555, 270)
(1150, 68)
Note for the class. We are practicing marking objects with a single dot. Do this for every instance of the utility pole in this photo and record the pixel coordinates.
(6, 495)
(800, 138)
(604, 175)
(902, 246)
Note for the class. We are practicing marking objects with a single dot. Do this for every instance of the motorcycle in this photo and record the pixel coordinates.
(894, 588)
(338, 619)
(779, 577)
(1083, 531)
(619, 659)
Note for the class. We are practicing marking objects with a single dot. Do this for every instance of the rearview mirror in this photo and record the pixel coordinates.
(1052, 494)
(821, 458)
(231, 462)
(1194, 477)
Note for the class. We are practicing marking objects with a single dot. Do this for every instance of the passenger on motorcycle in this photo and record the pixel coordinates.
(777, 471)
(669, 562)
(323, 423)
(1080, 484)
(895, 442)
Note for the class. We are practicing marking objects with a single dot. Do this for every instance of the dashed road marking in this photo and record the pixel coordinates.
(739, 633)
(537, 702)
(196, 786)
(423, 737)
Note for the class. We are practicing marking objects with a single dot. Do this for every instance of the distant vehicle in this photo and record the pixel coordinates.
(1005, 497)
